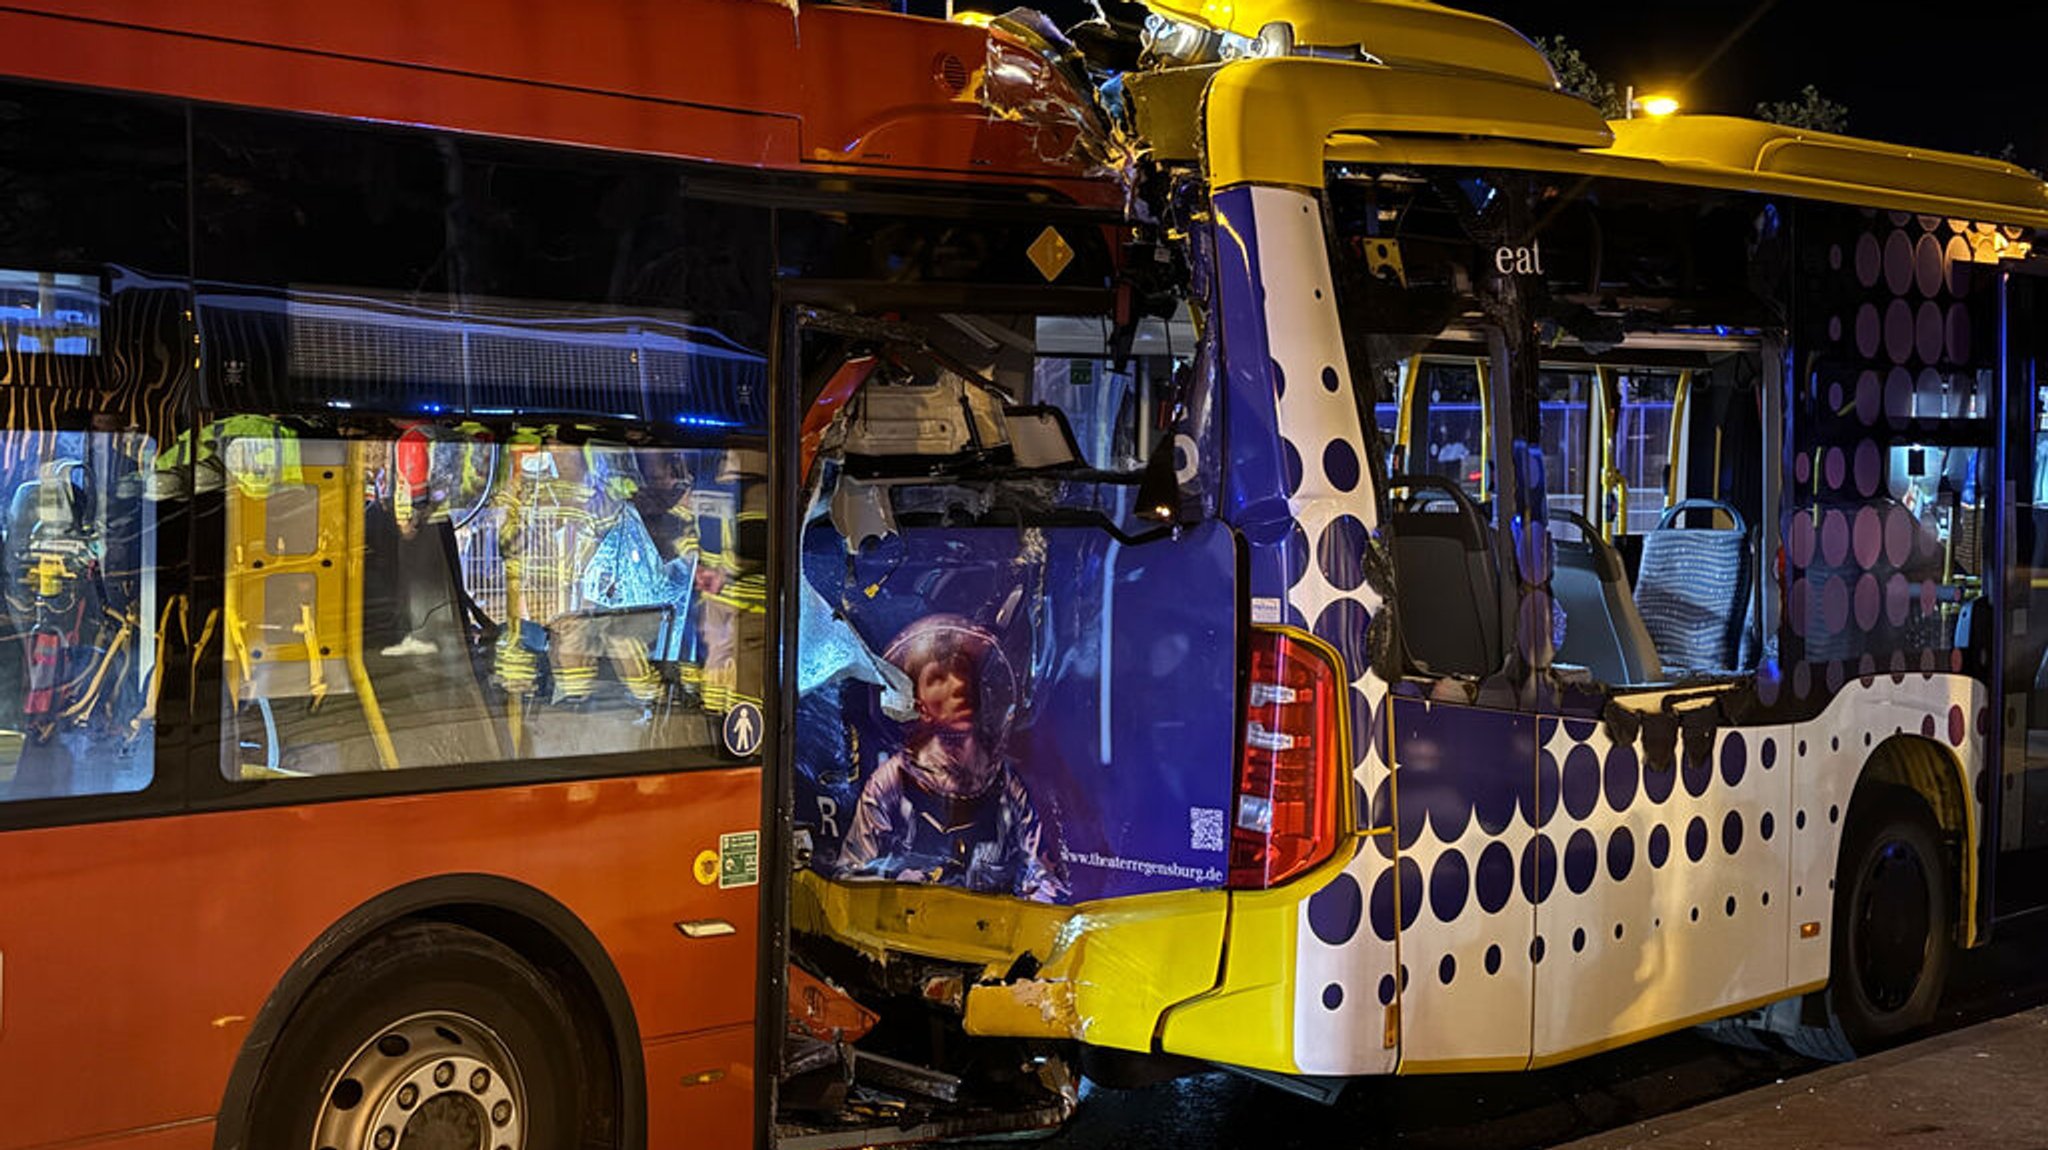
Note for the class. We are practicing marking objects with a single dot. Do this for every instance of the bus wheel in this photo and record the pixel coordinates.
(428, 1036)
(1893, 929)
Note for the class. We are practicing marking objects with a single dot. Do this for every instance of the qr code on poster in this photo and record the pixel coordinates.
(1205, 828)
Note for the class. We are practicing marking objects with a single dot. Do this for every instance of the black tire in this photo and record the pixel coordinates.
(426, 1007)
(1894, 927)
(1734, 1033)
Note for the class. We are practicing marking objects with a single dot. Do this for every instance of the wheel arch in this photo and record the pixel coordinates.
(1936, 774)
(531, 922)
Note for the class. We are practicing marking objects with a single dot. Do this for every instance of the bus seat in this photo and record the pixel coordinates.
(1448, 601)
(1603, 631)
(1693, 589)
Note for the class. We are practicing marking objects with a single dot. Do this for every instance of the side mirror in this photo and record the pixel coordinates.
(1159, 490)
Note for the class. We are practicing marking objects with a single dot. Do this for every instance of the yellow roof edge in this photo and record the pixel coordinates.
(1446, 152)
(1737, 145)
(1265, 120)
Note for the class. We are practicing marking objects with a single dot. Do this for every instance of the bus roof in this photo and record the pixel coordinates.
(760, 83)
(1436, 86)
(1747, 155)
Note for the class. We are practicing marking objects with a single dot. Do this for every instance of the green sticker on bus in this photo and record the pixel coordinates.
(739, 859)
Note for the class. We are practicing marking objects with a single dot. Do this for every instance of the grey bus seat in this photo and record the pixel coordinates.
(1693, 589)
(1603, 631)
(1448, 605)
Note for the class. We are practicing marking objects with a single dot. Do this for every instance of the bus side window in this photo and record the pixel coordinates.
(1565, 409)
(434, 596)
(95, 342)
(493, 438)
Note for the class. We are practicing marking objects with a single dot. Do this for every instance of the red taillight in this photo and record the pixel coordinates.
(1285, 819)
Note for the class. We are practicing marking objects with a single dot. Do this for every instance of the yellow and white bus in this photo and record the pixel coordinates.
(1558, 582)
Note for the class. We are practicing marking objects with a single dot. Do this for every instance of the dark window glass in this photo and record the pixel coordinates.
(1456, 440)
(94, 349)
(1642, 446)
(354, 268)
(985, 249)
(1565, 407)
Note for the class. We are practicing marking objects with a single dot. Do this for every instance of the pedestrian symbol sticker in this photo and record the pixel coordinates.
(743, 729)
(739, 859)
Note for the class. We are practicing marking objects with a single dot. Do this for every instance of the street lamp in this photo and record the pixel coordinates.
(1654, 106)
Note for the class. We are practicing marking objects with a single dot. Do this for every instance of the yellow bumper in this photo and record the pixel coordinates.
(1107, 972)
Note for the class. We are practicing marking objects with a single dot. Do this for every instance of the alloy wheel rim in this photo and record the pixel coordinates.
(439, 1080)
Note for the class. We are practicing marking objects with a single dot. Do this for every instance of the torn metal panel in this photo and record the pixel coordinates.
(1034, 76)
(1115, 969)
(898, 1076)
(833, 651)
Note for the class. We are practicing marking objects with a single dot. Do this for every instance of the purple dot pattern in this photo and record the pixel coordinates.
(1588, 833)
(1897, 327)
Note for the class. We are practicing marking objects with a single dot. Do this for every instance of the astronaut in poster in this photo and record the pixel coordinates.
(949, 806)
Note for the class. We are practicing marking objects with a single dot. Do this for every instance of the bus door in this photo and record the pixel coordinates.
(1661, 861)
(1463, 798)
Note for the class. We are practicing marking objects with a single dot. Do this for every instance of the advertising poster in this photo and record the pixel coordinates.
(1044, 713)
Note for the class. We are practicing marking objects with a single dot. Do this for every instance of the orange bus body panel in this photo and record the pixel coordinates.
(739, 82)
(164, 937)
(194, 1135)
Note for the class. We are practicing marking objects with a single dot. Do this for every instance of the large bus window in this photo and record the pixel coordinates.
(78, 627)
(1593, 273)
(491, 447)
(95, 357)
(442, 594)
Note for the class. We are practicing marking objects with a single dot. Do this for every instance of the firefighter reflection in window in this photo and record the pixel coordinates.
(588, 545)
(731, 545)
(949, 808)
(620, 574)
(544, 524)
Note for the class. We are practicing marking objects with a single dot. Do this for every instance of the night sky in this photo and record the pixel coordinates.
(1965, 75)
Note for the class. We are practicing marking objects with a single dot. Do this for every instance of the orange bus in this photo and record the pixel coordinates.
(400, 429)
